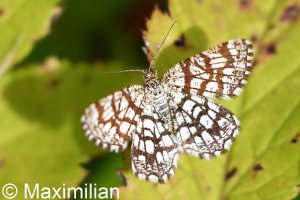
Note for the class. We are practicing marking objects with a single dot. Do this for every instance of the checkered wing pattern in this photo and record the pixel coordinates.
(110, 122)
(203, 127)
(218, 72)
(154, 150)
(167, 116)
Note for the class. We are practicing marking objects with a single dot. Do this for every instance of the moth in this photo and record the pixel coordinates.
(174, 114)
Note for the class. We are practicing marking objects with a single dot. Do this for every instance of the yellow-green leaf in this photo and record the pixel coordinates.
(41, 138)
(22, 24)
(264, 160)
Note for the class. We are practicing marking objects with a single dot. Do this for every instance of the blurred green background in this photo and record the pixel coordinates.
(52, 58)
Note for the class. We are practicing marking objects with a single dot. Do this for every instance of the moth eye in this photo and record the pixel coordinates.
(152, 84)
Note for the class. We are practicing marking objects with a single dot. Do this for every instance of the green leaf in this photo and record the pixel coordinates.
(264, 160)
(41, 139)
(42, 100)
(22, 23)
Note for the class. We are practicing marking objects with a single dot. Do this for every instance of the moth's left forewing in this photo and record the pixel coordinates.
(110, 122)
(221, 71)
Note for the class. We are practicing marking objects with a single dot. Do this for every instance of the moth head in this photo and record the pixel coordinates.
(153, 88)
(148, 76)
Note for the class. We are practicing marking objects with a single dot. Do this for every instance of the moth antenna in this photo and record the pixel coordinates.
(123, 71)
(154, 57)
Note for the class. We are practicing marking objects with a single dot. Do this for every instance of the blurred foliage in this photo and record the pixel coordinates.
(20, 30)
(43, 97)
